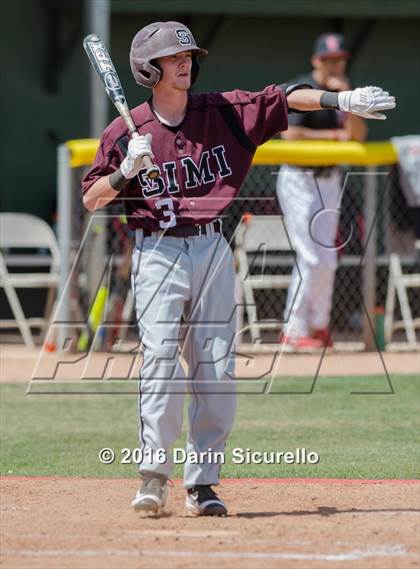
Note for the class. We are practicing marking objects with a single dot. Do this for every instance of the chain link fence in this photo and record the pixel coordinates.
(394, 231)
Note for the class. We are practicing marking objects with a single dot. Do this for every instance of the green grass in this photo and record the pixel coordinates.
(356, 435)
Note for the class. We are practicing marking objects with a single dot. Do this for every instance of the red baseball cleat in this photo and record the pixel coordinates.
(324, 336)
(300, 343)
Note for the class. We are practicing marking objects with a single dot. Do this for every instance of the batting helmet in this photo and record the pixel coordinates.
(157, 40)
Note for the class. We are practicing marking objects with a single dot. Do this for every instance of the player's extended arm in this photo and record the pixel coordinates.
(366, 102)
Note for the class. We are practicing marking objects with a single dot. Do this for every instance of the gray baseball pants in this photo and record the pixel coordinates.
(185, 309)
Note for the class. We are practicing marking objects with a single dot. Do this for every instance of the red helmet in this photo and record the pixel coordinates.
(157, 40)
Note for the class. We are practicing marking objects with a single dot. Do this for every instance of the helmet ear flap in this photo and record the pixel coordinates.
(148, 74)
(157, 71)
(154, 63)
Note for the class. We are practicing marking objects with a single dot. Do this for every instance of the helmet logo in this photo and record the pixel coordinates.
(184, 37)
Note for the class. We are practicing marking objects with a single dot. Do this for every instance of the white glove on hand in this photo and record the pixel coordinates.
(366, 101)
(138, 147)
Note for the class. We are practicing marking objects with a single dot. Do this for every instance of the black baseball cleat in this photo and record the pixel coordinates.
(202, 500)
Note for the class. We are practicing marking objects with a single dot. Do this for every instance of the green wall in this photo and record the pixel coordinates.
(247, 52)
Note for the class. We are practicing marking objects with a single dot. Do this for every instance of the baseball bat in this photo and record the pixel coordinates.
(102, 63)
(95, 318)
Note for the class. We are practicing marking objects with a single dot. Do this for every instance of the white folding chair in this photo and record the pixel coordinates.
(398, 283)
(20, 231)
(256, 236)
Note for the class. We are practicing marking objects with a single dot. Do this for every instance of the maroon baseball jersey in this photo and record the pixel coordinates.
(203, 161)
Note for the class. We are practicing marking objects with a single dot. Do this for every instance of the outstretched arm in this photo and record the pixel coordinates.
(305, 100)
(366, 102)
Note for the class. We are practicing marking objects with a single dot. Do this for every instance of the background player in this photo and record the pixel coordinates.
(183, 271)
(303, 191)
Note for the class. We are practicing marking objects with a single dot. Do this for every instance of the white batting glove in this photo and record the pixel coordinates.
(366, 102)
(138, 147)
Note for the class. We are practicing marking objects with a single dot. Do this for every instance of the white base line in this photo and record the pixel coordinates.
(385, 551)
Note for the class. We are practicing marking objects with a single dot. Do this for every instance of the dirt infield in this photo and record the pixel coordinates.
(300, 524)
(49, 523)
(20, 364)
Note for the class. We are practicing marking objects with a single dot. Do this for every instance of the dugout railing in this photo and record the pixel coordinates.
(372, 209)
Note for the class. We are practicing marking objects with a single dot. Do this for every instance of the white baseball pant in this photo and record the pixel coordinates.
(184, 291)
(309, 205)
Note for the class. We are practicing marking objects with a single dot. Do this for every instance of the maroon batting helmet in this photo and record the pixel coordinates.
(158, 40)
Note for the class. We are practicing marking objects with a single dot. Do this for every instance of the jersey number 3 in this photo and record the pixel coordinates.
(166, 205)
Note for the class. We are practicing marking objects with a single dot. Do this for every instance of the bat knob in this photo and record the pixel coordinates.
(91, 38)
(153, 172)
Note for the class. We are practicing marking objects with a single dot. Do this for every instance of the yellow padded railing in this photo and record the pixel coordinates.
(300, 153)
(82, 151)
(323, 153)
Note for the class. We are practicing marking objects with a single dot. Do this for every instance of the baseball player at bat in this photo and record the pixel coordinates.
(183, 274)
